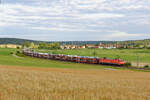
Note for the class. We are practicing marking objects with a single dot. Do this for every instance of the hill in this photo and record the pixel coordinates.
(20, 41)
(15, 41)
(128, 42)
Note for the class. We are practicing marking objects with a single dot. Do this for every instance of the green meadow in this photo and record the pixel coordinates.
(7, 59)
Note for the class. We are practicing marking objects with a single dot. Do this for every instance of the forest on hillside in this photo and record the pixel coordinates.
(20, 41)
(134, 43)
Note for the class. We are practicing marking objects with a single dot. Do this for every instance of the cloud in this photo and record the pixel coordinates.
(96, 17)
(63, 29)
(122, 35)
(100, 15)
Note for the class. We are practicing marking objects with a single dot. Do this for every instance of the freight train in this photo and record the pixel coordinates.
(73, 58)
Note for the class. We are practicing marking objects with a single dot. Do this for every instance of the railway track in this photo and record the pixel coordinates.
(83, 60)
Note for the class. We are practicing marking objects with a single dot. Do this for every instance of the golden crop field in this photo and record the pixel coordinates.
(26, 83)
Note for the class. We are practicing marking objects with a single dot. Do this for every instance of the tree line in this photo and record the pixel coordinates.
(40, 45)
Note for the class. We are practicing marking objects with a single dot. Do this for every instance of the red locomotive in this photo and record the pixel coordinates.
(111, 61)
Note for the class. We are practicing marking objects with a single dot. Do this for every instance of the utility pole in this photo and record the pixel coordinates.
(137, 60)
(94, 52)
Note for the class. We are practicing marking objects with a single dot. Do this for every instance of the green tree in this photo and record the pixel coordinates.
(44, 45)
(27, 44)
(22, 45)
(55, 45)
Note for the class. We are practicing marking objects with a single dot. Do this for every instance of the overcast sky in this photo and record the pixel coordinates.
(59, 20)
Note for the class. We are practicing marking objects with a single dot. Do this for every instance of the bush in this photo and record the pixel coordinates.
(18, 53)
(11, 53)
(128, 64)
(146, 66)
(18, 47)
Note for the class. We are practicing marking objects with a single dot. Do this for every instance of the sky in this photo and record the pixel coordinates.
(71, 20)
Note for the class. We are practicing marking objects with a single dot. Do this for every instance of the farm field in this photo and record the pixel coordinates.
(129, 55)
(26, 78)
(28, 83)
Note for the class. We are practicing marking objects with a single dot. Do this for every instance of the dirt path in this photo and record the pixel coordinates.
(16, 56)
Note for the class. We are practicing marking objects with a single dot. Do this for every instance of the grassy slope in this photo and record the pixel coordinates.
(125, 54)
(7, 59)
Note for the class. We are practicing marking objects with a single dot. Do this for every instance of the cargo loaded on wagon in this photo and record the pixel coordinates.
(74, 58)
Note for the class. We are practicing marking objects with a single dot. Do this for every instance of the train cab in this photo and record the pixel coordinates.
(119, 62)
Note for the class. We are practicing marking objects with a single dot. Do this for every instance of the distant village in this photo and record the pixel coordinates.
(100, 45)
(106, 46)
(56, 45)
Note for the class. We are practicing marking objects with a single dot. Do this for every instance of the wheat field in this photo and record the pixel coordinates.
(25, 83)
